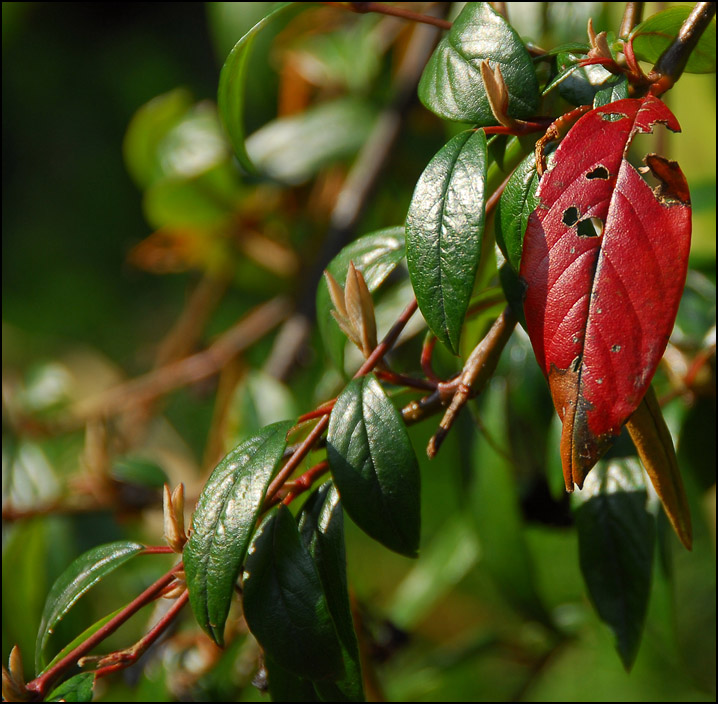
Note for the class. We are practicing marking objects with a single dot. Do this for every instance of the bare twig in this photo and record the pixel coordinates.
(202, 365)
(673, 60)
(354, 196)
(124, 658)
(393, 10)
(44, 682)
(631, 17)
(306, 446)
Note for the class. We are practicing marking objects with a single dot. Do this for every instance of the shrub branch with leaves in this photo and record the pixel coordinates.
(592, 264)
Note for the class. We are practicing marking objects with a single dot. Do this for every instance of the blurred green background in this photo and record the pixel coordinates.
(74, 74)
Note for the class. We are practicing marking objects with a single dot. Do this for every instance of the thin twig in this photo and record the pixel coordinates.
(631, 17)
(374, 358)
(253, 326)
(477, 371)
(43, 682)
(673, 60)
(355, 195)
(124, 658)
(392, 10)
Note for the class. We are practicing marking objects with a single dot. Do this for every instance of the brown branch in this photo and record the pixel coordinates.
(673, 60)
(631, 17)
(392, 10)
(188, 327)
(308, 443)
(354, 196)
(253, 326)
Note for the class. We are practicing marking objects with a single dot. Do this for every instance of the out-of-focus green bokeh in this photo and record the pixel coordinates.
(74, 75)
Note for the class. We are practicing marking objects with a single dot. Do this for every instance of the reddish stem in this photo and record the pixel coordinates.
(427, 351)
(323, 410)
(305, 481)
(157, 550)
(404, 380)
(306, 446)
(392, 10)
(132, 655)
(43, 682)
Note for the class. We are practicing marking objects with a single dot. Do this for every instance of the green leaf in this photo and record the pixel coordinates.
(374, 466)
(76, 689)
(376, 255)
(82, 638)
(495, 506)
(654, 35)
(86, 571)
(579, 85)
(613, 89)
(285, 686)
(223, 523)
(451, 84)
(292, 149)
(616, 535)
(517, 202)
(284, 602)
(230, 96)
(442, 565)
(444, 231)
(321, 527)
(148, 127)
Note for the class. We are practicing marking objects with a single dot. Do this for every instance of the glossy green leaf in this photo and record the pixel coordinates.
(376, 255)
(613, 89)
(616, 536)
(444, 231)
(374, 467)
(451, 85)
(149, 126)
(292, 149)
(285, 686)
(321, 527)
(230, 96)
(581, 84)
(223, 523)
(654, 35)
(82, 638)
(284, 602)
(495, 506)
(517, 202)
(76, 689)
(86, 571)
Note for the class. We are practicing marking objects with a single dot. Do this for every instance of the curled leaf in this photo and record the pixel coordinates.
(653, 441)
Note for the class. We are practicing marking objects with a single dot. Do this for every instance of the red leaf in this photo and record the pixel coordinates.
(605, 261)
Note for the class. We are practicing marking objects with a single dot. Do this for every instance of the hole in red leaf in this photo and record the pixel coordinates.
(599, 172)
(570, 216)
(613, 116)
(615, 348)
(590, 227)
